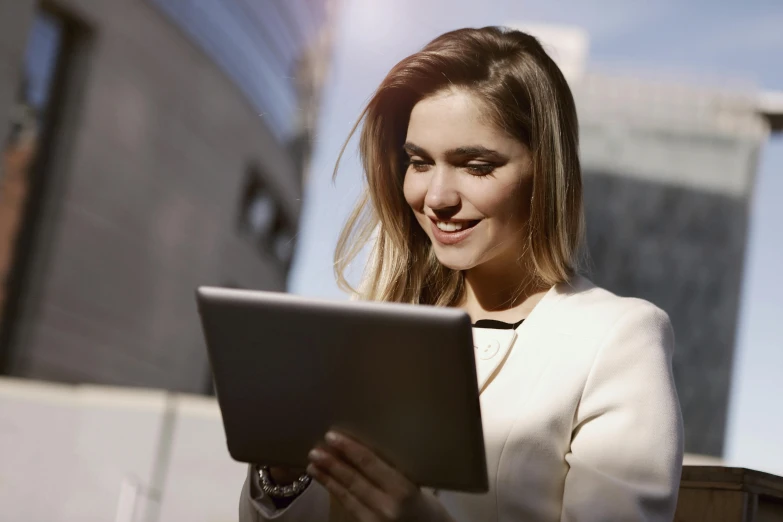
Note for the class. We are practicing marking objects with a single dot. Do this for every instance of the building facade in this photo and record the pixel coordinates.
(149, 146)
(668, 166)
(668, 177)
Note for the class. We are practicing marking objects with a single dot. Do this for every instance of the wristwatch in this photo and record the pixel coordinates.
(273, 490)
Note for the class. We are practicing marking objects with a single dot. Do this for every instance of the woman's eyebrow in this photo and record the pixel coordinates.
(414, 149)
(462, 152)
(473, 151)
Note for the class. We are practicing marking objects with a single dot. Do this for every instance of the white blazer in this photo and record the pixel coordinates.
(580, 413)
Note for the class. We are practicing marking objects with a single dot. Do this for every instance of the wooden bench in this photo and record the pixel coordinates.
(720, 494)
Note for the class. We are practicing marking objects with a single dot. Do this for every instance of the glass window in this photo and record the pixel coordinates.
(261, 214)
(263, 221)
(41, 60)
(284, 246)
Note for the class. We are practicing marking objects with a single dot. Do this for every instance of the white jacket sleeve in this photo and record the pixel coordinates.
(626, 450)
(311, 506)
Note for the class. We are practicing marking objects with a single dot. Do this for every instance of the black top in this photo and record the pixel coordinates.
(497, 325)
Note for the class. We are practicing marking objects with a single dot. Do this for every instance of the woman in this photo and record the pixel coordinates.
(474, 200)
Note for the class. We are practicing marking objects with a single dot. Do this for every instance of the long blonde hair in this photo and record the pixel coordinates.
(525, 94)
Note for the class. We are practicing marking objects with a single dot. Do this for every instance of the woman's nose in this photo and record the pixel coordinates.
(442, 193)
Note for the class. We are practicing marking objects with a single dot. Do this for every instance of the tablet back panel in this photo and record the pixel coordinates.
(400, 378)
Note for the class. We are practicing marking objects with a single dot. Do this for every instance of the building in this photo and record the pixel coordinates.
(668, 169)
(149, 146)
(668, 186)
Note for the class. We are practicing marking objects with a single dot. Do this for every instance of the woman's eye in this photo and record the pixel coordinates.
(418, 165)
(480, 169)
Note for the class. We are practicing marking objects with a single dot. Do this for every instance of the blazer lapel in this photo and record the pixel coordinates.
(491, 347)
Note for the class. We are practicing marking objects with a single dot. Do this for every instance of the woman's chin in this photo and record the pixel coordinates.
(454, 263)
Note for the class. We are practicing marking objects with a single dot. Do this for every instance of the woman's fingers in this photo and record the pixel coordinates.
(371, 466)
(346, 498)
(352, 484)
(366, 486)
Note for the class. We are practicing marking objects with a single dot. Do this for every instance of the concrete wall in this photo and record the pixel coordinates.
(65, 451)
(92, 453)
(199, 462)
(144, 184)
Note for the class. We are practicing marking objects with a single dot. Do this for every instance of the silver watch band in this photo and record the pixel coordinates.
(273, 490)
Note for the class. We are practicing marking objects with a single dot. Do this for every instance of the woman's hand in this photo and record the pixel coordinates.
(367, 487)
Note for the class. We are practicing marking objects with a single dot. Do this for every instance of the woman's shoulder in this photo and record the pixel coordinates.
(590, 308)
(598, 327)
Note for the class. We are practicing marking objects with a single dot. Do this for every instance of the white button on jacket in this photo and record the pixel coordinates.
(581, 418)
(488, 348)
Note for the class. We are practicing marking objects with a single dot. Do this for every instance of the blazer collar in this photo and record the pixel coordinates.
(492, 346)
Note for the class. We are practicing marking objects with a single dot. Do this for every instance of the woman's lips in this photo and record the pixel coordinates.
(452, 238)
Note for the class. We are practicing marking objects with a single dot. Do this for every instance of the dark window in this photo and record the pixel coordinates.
(262, 220)
(258, 209)
(283, 243)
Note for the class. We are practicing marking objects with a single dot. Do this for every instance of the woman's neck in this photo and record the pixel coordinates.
(504, 293)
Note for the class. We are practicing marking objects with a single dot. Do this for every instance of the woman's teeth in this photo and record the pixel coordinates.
(449, 226)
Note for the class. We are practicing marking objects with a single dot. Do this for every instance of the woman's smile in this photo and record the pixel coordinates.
(451, 232)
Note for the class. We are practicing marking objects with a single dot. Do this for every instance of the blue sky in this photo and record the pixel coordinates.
(727, 42)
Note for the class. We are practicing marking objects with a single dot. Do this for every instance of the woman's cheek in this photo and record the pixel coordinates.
(414, 191)
(511, 204)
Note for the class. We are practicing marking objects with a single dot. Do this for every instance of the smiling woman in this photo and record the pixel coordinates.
(503, 104)
(474, 200)
(455, 189)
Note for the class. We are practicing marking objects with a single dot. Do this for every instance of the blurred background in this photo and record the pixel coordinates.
(150, 146)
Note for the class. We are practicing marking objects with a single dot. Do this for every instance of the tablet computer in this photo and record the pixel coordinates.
(399, 378)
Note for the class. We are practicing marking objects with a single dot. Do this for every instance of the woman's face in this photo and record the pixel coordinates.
(468, 182)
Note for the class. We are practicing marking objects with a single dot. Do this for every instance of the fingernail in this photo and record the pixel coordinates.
(312, 470)
(316, 454)
(332, 438)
